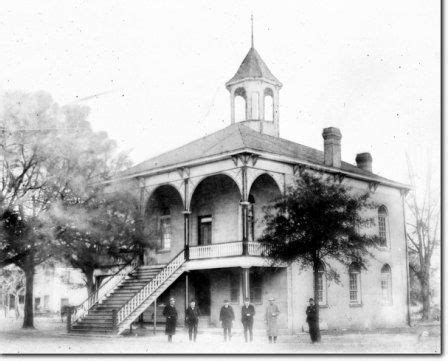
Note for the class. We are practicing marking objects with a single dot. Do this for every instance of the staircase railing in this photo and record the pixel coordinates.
(153, 285)
(101, 293)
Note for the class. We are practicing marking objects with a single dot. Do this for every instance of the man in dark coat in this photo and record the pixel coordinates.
(247, 318)
(192, 319)
(226, 316)
(311, 319)
(170, 313)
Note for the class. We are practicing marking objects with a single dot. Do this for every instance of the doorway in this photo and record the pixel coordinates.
(201, 285)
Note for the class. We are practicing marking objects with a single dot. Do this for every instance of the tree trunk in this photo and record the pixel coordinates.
(316, 296)
(28, 316)
(16, 305)
(89, 281)
(426, 297)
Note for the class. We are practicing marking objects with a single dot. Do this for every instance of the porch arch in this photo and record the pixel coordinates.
(163, 219)
(194, 184)
(267, 178)
(262, 192)
(215, 210)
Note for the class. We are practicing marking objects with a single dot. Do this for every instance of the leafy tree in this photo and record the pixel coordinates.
(33, 128)
(50, 156)
(316, 220)
(99, 233)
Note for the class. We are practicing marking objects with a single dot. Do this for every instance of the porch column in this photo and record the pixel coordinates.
(244, 209)
(246, 283)
(187, 289)
(140, 220)
(187, 234)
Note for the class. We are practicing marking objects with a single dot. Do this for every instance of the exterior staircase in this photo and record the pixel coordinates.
(124, 296)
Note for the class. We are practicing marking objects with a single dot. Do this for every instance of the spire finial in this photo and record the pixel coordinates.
(252, 30)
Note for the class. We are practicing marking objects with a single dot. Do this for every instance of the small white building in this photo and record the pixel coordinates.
(55, 286)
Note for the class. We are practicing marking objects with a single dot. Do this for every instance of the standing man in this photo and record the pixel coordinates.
(170, 313)
(226, 316)
(192, 319)
(271, 316)
(247, 318)
(311, 319)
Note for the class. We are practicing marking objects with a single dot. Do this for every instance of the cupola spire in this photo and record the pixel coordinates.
(254, 93)
(252, 31)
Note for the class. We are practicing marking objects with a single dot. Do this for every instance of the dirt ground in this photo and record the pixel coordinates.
(50, 336)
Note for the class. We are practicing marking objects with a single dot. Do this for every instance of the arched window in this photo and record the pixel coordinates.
(240, 104)
(354, 273)
(386, 284)
(321, 285)
(268, 105)
(383, 225)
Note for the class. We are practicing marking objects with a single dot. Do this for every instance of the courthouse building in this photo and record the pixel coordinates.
(202, 204)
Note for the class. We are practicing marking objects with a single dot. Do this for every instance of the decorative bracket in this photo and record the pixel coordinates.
(339, 177)
(299, 169)
(235, 159)
(184, 172)
(245, 158)
(404, 192)
(373, 186)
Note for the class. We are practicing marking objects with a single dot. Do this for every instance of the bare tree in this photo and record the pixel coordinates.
(423, 235)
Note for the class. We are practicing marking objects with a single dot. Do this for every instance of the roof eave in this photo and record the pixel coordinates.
(266, 80)
(266, 155)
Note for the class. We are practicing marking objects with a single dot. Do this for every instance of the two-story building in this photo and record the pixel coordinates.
(202, 204)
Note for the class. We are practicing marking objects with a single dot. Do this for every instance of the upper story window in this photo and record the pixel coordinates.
(205, 230)
(386, 284)
(383, 225)
(165, 232)
(354, 273)
(321, 285)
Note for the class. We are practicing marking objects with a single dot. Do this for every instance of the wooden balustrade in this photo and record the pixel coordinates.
(225, 250)
(217, 250)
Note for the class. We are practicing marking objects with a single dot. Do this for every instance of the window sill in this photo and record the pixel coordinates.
(324, 305)
(163, 251)
(355, 304)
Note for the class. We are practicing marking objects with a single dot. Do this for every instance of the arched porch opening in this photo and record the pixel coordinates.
(215, 211)
(163, 224)
(263, 192)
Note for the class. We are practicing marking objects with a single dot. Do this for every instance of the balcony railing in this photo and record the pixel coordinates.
(217, 250)
(255, 248)
(226, 249)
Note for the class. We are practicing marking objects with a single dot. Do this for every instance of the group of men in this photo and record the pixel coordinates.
(227, 317)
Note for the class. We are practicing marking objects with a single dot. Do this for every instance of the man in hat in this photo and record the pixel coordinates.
(192, 319)
(311, 319)
(271, 316)
(170, 313)
(247, 318)
(226, 316)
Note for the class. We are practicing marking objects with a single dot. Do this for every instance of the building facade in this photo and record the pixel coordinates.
(202, 205)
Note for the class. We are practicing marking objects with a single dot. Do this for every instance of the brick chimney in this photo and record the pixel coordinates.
(364, 161)
(332, 147)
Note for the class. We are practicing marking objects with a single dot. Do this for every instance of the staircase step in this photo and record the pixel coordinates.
(90, 328)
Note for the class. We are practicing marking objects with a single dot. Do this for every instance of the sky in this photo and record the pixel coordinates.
(153, 72)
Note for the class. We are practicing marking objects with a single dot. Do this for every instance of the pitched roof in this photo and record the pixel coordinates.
(240, 137)
(253, 67)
